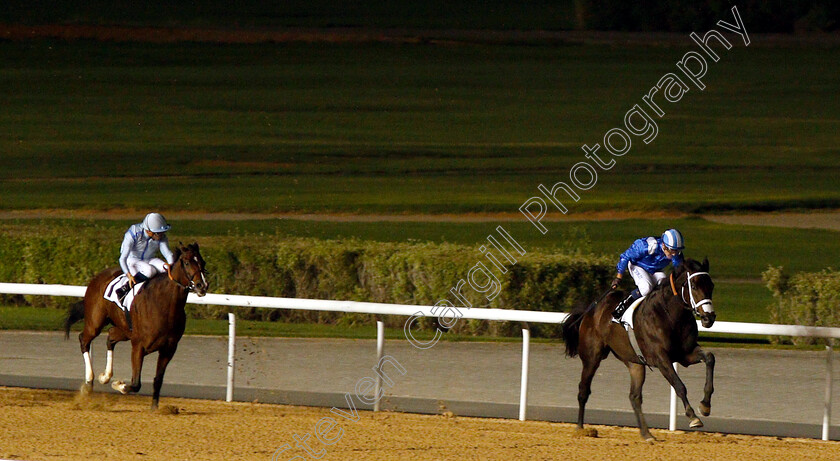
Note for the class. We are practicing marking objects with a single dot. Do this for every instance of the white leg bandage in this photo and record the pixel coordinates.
(88, 368)
(109, 369)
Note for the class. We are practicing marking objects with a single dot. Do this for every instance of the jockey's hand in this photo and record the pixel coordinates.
(131, 281)
(616, 281)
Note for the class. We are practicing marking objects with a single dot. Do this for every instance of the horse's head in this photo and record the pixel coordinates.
(189, 259)
(694, 286)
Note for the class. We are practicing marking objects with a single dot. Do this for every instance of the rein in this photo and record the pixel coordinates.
(591, 306)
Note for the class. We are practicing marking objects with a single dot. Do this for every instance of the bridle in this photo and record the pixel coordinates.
(191, 286)
(695, 306)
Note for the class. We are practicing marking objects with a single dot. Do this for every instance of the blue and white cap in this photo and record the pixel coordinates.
(156, 223)
(673, 240)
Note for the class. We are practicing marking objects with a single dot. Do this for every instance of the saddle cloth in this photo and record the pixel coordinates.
(627, 322)
(111, 292)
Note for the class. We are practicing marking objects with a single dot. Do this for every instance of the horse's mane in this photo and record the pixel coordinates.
(659, 291)
(692, 265)
(179, 250)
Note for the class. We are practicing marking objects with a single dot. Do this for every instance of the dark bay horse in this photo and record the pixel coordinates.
(666, 332)
(157, 313)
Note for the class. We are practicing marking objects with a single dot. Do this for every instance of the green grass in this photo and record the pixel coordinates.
(405, 128)
(30, 318)
(742, 302)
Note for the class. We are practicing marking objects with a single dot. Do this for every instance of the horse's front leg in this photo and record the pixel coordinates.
(137, 354)
(674, 380)
(637, 380)
(699, 355)
(164, 356)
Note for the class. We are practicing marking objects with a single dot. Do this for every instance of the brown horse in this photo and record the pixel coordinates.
(666, 332)
(157, 313)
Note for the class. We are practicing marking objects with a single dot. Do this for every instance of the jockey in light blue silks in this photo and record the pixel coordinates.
(645, 259)
(139, 250)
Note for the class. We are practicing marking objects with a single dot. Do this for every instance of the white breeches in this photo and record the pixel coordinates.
(645, 281)
(148, 268)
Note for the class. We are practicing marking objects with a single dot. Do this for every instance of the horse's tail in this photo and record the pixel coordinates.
(75, 313)
(571, 329)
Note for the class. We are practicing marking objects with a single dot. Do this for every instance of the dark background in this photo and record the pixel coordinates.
(805, 16)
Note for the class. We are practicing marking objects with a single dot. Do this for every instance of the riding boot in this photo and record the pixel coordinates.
(123, 290)
(625, 303)
(128, 320)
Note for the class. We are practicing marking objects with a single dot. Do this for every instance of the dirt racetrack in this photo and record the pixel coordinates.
(39, 425)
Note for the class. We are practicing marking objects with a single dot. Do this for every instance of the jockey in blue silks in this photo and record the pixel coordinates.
(645, 260)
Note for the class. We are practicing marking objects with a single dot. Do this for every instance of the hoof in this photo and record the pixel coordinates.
(649, 438)
(120, 386)
(705, 410)
(695, 423)
(86, 389)
(104, 379)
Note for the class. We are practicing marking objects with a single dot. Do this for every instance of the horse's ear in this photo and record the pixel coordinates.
(705, 264)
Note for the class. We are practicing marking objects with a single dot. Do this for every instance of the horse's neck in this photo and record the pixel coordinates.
(177, 273)
(670, 303)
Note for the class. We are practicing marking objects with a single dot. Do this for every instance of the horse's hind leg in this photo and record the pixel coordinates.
(679, 388)
(164, 356)
(115, 335)
(637, 380)
(696, 356)
(94, 323)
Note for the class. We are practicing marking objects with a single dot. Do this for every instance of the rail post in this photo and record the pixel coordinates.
(523, 389)
(380, 347)
(828, 385)
(231, 355)
(672, 419)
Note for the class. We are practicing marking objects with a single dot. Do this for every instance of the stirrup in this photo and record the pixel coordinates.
(619, 311)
